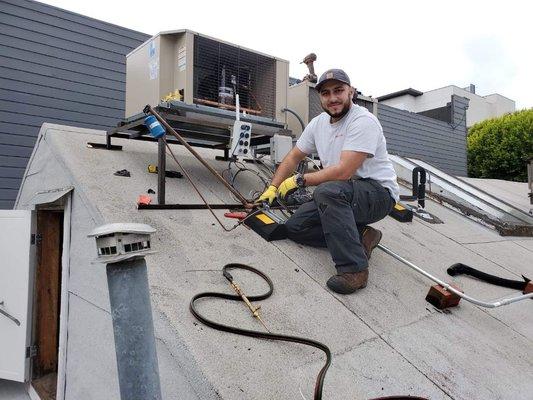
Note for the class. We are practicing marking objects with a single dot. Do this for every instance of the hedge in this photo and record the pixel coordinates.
(498, 148)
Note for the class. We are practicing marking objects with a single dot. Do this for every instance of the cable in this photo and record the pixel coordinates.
(262, 164)
(319, 383)
(296, 115)
(242, 168)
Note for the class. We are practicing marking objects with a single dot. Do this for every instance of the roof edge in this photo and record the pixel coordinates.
(410, 91)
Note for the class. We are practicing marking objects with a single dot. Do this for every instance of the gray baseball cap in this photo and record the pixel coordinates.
(333, 75)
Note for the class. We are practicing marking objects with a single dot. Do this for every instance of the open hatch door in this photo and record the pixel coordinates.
(17, 252)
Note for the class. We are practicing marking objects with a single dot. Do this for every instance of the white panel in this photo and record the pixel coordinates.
(16, 281)
(280, 146)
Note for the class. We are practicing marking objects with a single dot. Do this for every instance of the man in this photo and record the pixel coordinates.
(356, 187)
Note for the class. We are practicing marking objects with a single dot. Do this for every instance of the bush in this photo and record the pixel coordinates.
(498, 148)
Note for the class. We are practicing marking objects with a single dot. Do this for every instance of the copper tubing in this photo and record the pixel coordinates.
(149, 109)
(226, 106)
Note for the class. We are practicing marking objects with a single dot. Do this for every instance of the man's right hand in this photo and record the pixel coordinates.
(268, 195)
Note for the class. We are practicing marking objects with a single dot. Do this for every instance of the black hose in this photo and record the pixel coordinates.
(258, 334)
(319, 383)
(462, 269)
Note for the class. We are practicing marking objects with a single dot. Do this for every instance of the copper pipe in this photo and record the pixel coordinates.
(228, 106)
(149, 109)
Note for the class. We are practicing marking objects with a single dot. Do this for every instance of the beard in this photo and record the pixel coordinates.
(338, 115)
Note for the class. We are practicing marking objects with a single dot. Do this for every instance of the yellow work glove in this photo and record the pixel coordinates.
(287, 187)
(268, 195)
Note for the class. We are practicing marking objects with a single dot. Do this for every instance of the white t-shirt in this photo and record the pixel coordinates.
(358, 130)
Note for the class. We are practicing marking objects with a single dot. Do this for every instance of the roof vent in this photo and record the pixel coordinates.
(122, 241)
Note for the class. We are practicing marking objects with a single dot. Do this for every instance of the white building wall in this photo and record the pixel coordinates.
(406, 102)
(434, 99)
(479, 109)
(500, 104)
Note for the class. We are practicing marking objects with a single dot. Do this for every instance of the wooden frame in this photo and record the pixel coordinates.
(47, 302)
(64, 206)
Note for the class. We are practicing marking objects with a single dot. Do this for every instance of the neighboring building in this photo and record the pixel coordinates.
(438, 138)
(438, 141)
(430, 103)
(56, 66)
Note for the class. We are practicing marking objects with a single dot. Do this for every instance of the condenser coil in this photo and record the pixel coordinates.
(222, 71)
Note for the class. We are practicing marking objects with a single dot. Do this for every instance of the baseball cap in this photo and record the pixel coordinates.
(333, 75)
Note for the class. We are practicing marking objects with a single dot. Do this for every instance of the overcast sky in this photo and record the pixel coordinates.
(384, 45)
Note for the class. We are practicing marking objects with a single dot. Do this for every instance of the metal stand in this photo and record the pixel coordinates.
(198, 132)
(225, 157)
(129, 295)
(161, 168)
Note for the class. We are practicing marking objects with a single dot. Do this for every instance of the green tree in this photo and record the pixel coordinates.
(498, 148)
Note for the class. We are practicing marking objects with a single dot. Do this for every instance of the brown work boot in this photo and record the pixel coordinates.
(348, 282)
(370, 239)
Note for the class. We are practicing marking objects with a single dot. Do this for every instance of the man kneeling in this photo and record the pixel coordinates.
(356, 187)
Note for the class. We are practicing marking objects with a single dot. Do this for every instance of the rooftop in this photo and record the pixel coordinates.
(385, 339)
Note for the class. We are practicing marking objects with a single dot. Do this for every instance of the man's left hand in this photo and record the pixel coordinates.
(287, 187)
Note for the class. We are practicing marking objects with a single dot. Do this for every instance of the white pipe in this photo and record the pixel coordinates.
(493, 304)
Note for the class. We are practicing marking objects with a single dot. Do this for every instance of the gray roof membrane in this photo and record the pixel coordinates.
(385, 339)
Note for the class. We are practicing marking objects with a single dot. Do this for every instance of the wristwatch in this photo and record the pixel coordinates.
(300, 180)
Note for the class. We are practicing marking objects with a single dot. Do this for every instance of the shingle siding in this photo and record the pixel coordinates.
(55, 66)
(437, 142)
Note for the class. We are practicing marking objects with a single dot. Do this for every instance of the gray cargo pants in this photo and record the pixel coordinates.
(336, 216)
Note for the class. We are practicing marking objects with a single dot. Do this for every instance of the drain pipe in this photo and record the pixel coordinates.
(123, 247)
(419, 189)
